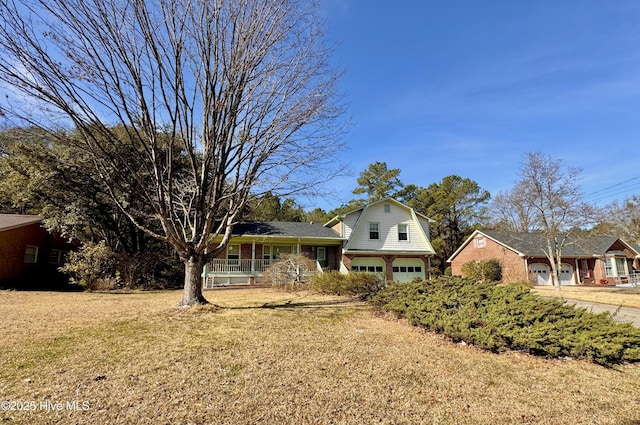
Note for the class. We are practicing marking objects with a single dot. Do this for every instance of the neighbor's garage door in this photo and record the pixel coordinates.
(371, 265)
(407, 269)
(566, 275)
(540, 273)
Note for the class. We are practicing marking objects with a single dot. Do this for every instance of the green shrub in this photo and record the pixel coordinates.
(92, 266)
(485, 271)
(360, 284)
(498, 318)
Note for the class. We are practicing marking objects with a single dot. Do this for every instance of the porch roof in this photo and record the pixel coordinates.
(285, 229)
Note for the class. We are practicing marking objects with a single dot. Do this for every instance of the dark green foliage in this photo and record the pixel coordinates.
(486, 271)
(361, 284)
(498, 318)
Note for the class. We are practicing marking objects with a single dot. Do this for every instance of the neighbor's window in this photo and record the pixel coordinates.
(621, 266)
(480, 242)
(387, 208)
(403, 234)
(608, 267)
(374, 231)
(31, 254)
(57, 256)
(615, 267)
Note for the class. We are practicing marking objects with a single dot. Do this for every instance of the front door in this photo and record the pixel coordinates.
(321, 256)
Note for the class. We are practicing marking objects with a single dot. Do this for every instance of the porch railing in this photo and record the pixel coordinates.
(246, 267)
(632, 278)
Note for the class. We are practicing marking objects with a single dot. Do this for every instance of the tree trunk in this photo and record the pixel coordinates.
(193, 267)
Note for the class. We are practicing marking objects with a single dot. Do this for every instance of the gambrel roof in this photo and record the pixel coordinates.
(357, 230)
(340, 217)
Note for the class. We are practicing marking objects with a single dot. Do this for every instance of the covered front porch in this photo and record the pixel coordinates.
(256, 246)
(223, 272)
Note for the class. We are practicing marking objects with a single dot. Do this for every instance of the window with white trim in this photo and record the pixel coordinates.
(266, 252)
(403, 232)
(374, 230)
(480, 242)
(387, 208)
(616, 267)
(31, 254)
(233, 254)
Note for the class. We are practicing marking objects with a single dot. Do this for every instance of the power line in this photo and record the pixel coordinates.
(616, 185)
(607, 193)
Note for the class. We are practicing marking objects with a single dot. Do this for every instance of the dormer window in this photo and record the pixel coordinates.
(374, 230)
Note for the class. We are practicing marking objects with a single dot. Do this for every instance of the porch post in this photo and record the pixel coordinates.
(253, 257)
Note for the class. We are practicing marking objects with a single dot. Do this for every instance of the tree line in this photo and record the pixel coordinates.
(156, 126)
(43, 174)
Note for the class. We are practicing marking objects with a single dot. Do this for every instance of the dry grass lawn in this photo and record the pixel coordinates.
(270, 357)
(626, 297)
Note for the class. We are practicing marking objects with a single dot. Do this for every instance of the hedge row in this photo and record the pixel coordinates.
(498, 318)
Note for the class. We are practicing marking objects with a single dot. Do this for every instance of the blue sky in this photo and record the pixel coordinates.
(468, 87)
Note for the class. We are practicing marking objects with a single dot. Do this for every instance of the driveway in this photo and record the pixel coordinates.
(620, 314)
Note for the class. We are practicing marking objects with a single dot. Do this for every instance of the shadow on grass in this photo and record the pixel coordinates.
(289, 304)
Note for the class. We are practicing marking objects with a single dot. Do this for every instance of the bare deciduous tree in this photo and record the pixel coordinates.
(216, 99)
(624, 218)
(511, 211)
(548, 200)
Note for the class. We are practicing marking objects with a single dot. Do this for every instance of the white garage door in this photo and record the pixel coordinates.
(540, 273)
(566, 275)
(407, 269)
(371, 265)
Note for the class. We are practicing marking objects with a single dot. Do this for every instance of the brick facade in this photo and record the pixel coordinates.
(513, 266)
(14, 269)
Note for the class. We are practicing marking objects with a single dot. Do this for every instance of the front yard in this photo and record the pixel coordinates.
(270, 357)
(625, 297)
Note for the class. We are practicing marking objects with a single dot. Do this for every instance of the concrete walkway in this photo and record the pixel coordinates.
(620, 314)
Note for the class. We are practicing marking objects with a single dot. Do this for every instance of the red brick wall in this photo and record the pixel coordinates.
(12, 245)
(513, 267)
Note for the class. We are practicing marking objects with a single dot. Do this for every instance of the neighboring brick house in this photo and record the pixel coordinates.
(29, 255)
(384, 237)
(585, 259)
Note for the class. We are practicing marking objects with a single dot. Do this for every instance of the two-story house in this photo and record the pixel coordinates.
(384, 237)
(387, 237)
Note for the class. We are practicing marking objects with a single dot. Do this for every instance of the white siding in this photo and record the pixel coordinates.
(388, 228)
(350, 222)
(425, 227)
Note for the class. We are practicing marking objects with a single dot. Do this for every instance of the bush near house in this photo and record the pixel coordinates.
(498, 318)
(292, 272)
(485, 271)
(361, 284)
(97, 268)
